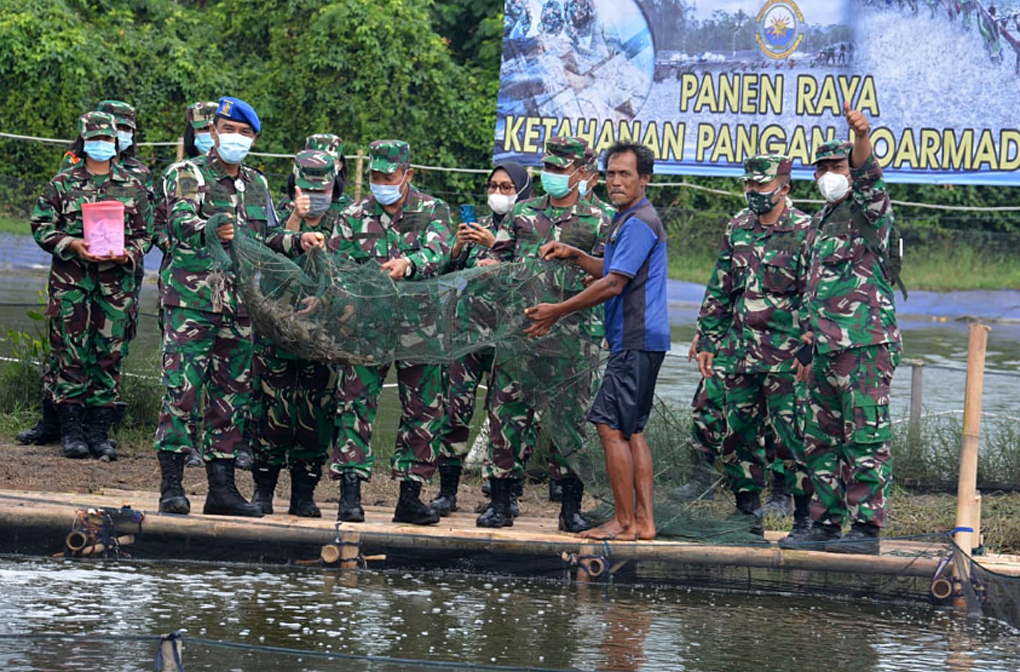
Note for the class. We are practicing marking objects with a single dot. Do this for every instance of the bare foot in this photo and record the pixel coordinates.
(645, 524)
(611, 530)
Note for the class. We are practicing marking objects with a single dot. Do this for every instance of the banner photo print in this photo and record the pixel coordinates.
(706, 83)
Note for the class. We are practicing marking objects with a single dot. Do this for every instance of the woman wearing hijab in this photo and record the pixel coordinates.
(508, 184)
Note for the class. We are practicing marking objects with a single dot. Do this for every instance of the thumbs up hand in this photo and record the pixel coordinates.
(856, 120)
(302, 203)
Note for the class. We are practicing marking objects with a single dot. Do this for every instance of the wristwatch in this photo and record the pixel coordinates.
(409, 271)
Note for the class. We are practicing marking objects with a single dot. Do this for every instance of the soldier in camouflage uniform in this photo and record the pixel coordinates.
(551, 21)
(334, 146)
(753, 304)
(207, 336)
(91, 297)
(408, 234)
(590, 180)
(856, 347)
(294, 400)
(507, 184)
(561, 215)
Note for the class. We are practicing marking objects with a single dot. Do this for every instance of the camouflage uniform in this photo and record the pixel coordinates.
(512, 421)
(753, 305)
(857, 347)
(207, 344)
(334, 146)
(294, 400)
(90, 304)
(366, 233)
(551, 21)
(464, 375)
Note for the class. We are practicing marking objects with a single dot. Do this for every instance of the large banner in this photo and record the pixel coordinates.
(706, 83)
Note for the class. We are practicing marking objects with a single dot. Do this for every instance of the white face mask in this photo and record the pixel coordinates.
(833, 186)
(501, 203)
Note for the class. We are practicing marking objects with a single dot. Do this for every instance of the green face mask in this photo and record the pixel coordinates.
(555, 185)
(760, 202)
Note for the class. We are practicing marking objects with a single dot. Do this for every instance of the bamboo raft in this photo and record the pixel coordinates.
(41, 524)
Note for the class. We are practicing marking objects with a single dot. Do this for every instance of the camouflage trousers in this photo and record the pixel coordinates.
(88, 332)
(708, 422)
(847, 434)
(422, 417)
(514, 425)
(293, 408)
(206, 354)
(463, 377)
(762, 409)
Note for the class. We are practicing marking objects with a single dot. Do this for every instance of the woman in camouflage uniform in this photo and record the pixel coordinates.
(91, 297)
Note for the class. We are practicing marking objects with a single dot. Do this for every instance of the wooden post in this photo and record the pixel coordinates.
(916, 403)
(976, 516)
(350, 550)
(180, 149)
(967, 488)
(359, 169)
(170, 649)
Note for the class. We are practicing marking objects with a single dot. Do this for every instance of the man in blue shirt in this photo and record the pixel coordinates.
(631, 281)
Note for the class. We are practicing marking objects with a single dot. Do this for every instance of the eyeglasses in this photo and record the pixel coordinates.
(505, 188)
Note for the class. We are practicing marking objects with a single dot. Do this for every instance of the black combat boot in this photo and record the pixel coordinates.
(571, 519)
(701, 483)
(97, 432)
(862, 539)
(72, 434)
(223, 498)
(171, 488)
(193, 458)
(350, 510)
(265, 476)
(410, 508)
(779, 503)
(815, 538)
(304, 476)
(516, 492)
(801, 521)
(749, 504)
(498, 513)
(556, 490)
(449, 481)
(45, 430)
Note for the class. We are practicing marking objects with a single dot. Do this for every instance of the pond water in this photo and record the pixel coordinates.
(71, 615)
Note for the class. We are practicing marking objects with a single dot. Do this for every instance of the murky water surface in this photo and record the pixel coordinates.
(390, 620)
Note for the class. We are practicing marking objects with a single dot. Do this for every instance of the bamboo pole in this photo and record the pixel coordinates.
(350, 549)
(967, 488)
(180, 149)
(359, 169)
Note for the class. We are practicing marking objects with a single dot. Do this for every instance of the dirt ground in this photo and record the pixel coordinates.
(43, 468)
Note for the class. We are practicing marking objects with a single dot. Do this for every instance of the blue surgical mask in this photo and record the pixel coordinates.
(319, 204)
(387, 194)
(582, 188)
(234, 147)
(557, 186)
(125, 139)
(100, 150)
(204, 142)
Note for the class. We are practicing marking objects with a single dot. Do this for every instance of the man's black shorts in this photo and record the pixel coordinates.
(628, 389)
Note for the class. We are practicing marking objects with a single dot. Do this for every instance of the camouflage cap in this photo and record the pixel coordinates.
(97, 125)
(590, 158)
(326, 142)
(385, 156)
(766, 167)
(314, 170)
(121, 111)
(832, 150)
(564, 151)
(201, 115)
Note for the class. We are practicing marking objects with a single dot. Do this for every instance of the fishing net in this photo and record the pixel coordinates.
(329, 309)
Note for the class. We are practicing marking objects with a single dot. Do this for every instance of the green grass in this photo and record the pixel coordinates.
(15, 225)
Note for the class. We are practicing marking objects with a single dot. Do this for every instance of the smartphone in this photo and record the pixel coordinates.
(467, 214)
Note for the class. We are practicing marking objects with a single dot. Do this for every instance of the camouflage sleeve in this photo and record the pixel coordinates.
(341, 242)
(870, 194)
(282, 241)
(46, 227)
(803, 317)
(183, 203)
(434, 254)
(716, 314)
(139, 238)
(605, 223)
(506, 237)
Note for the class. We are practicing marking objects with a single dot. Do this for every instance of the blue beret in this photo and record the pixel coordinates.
(236, 109)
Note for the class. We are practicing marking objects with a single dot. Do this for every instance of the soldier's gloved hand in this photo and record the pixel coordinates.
(223, 223)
